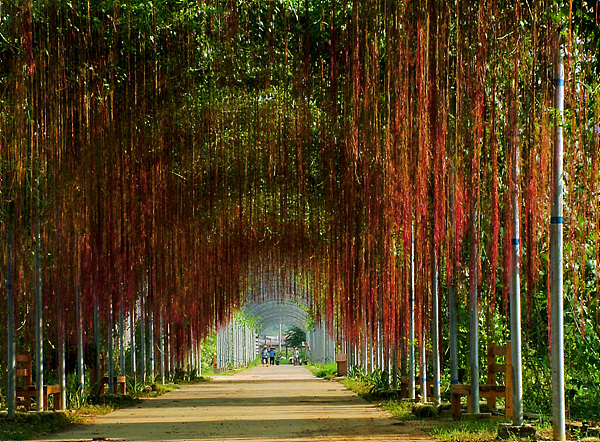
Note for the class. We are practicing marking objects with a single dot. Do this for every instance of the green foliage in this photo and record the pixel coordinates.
(324, 370)
(358, 373)
(441, 428)
(26, 426)
(77, 395)
(380, 380)
(465, 430)
(295, 337)
(134, 386)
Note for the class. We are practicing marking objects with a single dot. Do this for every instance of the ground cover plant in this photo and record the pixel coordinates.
(324, 370)
(440, 426)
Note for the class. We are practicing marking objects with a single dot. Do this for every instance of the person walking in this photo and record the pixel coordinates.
(265, 356)
(296, 356)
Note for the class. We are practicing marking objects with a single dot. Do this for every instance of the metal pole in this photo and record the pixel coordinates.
(151, 345)
(168, 351)
(79, 325)
(143, 344)
(452, 314)
(12, 349)
(162, 348)
(435, 322)
(110, 347)
(423, 373)
(556, 259)
(97, 371)
(474, 321)
(395, 365)
(39, 334)
(515, 288)
(121, 338)
(133, 361)
(62, 367)
(453, 332)
(411, 327)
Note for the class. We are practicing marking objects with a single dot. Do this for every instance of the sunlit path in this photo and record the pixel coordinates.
(279, 403)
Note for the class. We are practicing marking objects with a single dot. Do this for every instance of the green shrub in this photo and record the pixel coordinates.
(325, 370)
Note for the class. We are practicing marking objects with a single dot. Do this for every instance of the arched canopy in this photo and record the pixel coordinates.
(273, 312)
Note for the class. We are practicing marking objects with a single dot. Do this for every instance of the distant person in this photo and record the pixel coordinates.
(296, 356)
(272, 356)
(265, 356)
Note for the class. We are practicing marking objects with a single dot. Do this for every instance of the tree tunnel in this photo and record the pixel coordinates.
(395, 160)
(269, 310)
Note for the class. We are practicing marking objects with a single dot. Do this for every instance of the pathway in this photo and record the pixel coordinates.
(280, 403)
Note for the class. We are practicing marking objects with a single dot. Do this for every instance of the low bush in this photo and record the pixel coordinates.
(324, 370)
(29, 425)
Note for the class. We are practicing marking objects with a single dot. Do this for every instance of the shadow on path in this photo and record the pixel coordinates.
(280, 403)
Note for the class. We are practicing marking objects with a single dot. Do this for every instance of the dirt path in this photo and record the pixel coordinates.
(281, 403)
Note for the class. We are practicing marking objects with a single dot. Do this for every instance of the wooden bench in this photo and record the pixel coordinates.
(119, 382)
(27, 392)
(492, 390)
